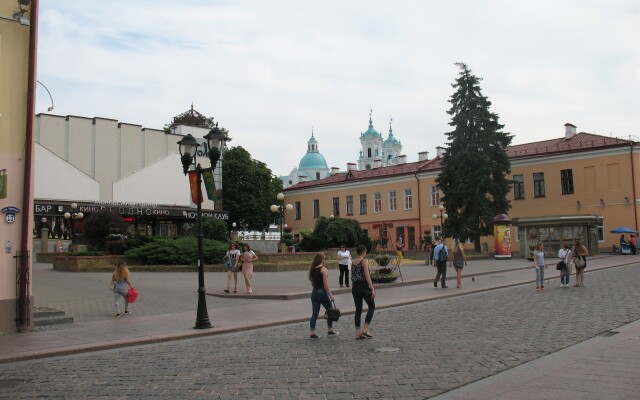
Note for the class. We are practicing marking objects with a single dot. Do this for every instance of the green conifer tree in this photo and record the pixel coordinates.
(475, 165)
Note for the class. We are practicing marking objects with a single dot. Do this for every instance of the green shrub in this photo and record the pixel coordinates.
(310, 242)
(178, 251)
(101, 224)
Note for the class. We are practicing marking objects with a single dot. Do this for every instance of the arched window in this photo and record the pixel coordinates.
(369, 152)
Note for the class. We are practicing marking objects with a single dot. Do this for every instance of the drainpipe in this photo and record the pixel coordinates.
(419, 208)
(24, 320)
(633, 185)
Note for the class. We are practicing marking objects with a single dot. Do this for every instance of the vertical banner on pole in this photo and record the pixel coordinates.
(3, 183)
(193, 184)
(209, 184)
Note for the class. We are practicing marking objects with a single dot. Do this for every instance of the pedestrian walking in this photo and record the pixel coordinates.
(248, 257)
(458, 260)
(120, 281)
(633, 244)
(538, 264)
(440, 256)
(564, 254)
(320, 294)
(344, 259)
(362, 289)
(231, 262)
(399, 249)
(579, 254)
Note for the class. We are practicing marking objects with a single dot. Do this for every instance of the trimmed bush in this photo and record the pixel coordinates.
(178, 251)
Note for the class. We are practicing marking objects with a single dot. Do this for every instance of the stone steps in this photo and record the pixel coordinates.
(44, 316)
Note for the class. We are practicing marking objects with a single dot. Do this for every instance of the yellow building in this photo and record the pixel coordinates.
(578, 186)
(18, 39)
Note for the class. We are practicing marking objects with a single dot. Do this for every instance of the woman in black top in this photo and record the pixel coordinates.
(320, 294)
(362, 289)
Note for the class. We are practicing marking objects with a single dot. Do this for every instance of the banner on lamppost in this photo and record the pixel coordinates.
(193, 184)
(209, 184)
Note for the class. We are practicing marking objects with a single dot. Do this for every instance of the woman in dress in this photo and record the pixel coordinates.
(231, 262)
(458, 260)
(579, 254)
(248, 257)
(362, 289)
(120, 278)
(320, 294)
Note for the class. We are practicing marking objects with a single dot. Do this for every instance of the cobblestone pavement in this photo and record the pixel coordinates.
(418, 351)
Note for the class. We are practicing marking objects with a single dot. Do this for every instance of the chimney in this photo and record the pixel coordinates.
(334, 170)
(351, 166)
(569, 130)
(423, 156)
(402, 159)
(377, 163)
(440, 151)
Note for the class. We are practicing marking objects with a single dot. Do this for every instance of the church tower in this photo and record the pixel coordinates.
(391, 148)
(371, 142)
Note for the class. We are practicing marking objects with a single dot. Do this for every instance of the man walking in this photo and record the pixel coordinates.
(440, 255)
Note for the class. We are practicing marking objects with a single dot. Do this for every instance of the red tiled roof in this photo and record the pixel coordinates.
(579, 142)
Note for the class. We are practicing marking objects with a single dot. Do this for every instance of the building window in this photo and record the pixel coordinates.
(392, 201)
(566, 178)
(437, 232)
(517, 233)
(317, 175)
(408, 199)
(538, 184)
(377, 202)
(435, 196)
(600, 232)
(297, 210)
(316, 208)
(518, 187)
(363, 204)
(336, 206)
(349, 205)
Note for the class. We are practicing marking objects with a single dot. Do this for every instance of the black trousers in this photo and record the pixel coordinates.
(442, 271)
(344, 273)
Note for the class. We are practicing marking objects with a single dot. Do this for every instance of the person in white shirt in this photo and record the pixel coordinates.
(344, 258)
(564, 254)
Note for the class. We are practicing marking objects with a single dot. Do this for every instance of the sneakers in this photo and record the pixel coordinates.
(332, 334)
(542, 287)
(226, 290)
(127, 312)
(537, 288)
(435, 283)
(118, 315)
(314, 336)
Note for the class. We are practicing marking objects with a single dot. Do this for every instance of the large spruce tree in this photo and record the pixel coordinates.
(475, 165)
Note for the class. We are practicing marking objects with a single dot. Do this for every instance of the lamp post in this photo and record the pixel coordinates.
(443, 217)
(281, 209)
(188, 147)
(72, 216)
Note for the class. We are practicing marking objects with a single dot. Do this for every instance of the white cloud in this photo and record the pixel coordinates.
(270, 71)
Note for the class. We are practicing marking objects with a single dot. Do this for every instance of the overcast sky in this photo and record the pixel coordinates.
(271, 71)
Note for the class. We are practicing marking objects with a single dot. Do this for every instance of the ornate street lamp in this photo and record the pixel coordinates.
(443, 217)
(281, 209)
(72, 216)
(188, 147)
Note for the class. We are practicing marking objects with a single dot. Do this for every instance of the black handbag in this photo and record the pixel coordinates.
(560, 265)
(333, 313)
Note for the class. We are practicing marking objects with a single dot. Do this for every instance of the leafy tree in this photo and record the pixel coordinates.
(212, 228)
(101, 224)
(249, 188)
(475, 165)
(336, 231)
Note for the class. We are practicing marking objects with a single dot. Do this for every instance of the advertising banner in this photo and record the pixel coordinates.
(209, 184)
(502, 235)
(193, 184)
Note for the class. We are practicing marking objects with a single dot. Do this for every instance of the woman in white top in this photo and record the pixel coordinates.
(564, 254)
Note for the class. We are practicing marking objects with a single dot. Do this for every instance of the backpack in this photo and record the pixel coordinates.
(442, 255)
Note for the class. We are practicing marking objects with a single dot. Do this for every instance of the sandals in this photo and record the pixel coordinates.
(226, 290)
(367, 335)
(235, 290)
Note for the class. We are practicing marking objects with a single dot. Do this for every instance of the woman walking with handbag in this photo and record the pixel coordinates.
(579, 254)
(120, 280)
(362, 289)
(320, 294)
(564, 254)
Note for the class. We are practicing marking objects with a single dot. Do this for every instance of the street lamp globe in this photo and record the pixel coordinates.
(274, 208)
(434, 216)
(444, 216)
(289, 207)
(280, 196)
(441, 207)
(67, 215)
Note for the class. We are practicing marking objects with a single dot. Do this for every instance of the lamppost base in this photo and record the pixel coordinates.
(202, 324)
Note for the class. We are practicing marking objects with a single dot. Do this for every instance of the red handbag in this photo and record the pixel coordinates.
(132, 295)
